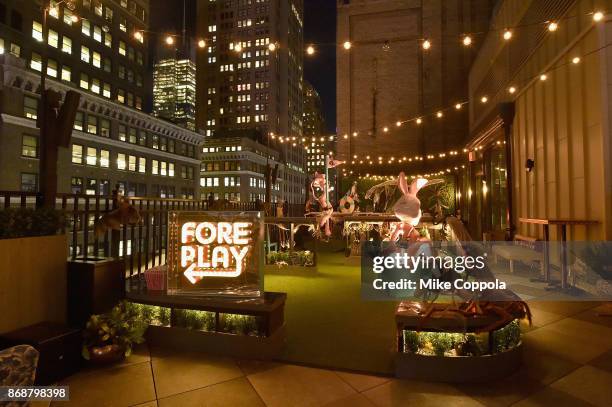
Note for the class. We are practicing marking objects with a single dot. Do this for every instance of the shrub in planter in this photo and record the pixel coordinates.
(111, 336)
(507, 337)
(239, 324)
(28, 222)
(296, 258)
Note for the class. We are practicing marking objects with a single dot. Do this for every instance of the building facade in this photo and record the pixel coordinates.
(233, 168)
(112, 145)
(92, 47)
(314, 130)
(174, 86)
(387, 76)
(541, 148)
(250, 76)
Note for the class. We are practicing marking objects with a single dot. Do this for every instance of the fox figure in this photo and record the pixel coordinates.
(125, 214)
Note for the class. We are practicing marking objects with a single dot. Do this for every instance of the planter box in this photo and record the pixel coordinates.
(290, 270)
(459, 369)
(32, 281)
(218, 343)
(94, 287)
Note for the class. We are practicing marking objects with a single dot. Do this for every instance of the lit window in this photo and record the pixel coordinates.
(104, 158)
(66, 45)
(105, 127)
(36, 62)
(86, 28)
(69, 16)
(97, 60)
(123, 24)
(77, 154)
(66, 74)
(84, 84)
(142, 165)
(1, 46)
(92, 124)
(97, 35)
(107, 91)
(92, 156)
(108, 39)
(85, 56)
(52, 68)
(121, 96)
(171, 169)
(98, 7)
(78, 121)
(122, 48)
(121, 164)
(155, 167)
(53, 39)
(95, 86)
(37, 33)
(132, 163)
(29, 146)
(163, 171)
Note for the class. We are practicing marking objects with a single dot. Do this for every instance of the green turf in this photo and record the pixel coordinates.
(329, 325)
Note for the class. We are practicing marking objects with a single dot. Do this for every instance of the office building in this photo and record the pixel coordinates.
(250, 76)
(111, 144)
(174, 85)
(390, 74)
(233, 168)
(94, 48)
(314, 130)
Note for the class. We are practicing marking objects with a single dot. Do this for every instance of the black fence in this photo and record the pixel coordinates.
(142, 245)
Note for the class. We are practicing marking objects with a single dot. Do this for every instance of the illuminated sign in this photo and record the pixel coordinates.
(215, 253)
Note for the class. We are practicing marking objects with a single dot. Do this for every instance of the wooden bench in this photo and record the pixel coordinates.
(523, 249)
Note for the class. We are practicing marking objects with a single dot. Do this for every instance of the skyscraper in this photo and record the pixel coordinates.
(250, 76)
(174, 86)
(314, 130)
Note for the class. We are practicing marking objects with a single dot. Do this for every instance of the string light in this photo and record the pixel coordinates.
(202, 44)
(138, 35)
(511, 90)
(552, 27)
(484, 99)
(272, 47)
(439, 114)
(467, 40)
(347, 45)
(576, 60)
(74, 18)
(598, 16)
(398, 124)
(170, 40)
(458, 106)
(310, 50)
(543, 77)
(419, 121)
(426, 44)
(507, 34)
(238, 47)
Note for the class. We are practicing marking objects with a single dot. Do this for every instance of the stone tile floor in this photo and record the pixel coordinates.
(567, 362)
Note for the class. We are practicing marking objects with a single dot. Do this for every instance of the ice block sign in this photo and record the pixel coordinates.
(215, 253)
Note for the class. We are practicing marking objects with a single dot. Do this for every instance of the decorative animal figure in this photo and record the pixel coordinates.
(125, 214)
(408, 207)
(319, 182)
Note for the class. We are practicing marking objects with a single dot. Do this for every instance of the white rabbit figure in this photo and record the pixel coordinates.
(408, 207)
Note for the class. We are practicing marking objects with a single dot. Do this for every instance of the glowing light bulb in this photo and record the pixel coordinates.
(543, 77)
(202, 43)
(426, 44)
(439, 114)
(507, 34)
(458, 106)
(598, 16)
(419, 121)
(169, 40)
(347, 45)
(138, 35)
(310, 50)
(552, 27)
(238, 47)
(398, 124)
(272, 47)
(511, 90)
(576, 60)
(484, 99)
(467, 40)
(386, 129)
(74, 18)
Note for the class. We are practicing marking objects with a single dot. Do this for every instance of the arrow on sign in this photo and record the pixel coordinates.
(192, 273)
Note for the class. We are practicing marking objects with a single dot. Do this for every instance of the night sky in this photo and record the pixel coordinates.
(320, 29)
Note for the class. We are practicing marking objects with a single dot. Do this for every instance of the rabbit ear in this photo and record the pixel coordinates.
(417, 184)
(403, 184)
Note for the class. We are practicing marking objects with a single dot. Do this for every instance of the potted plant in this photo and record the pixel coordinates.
(33, 263)
(110, 337)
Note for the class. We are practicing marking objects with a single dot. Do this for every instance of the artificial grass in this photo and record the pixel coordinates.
(329, 325)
